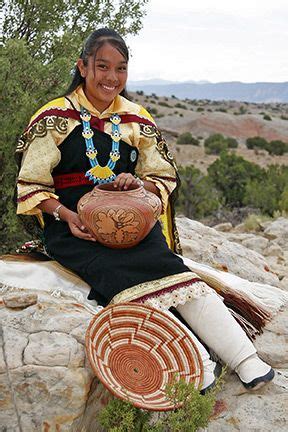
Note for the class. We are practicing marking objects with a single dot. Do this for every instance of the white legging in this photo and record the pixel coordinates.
(210, 319)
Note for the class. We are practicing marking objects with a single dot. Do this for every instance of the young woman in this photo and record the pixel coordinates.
(68, 147)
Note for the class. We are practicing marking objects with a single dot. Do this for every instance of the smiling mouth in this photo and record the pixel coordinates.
(108, 88)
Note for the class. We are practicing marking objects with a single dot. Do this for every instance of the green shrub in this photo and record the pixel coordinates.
(283, 202)
(277, 147)
(180, 105)
(242, 110)
(194, 412)
(230, 174)
(253, 222)
(217, 143)
(215, 147)
(164, 104)
(267, 117)
(231, 142)
(269, 191)
(152, 110)
(262, 195)
(197, 196)
(200, 109)
(256, 142)
(187, 138)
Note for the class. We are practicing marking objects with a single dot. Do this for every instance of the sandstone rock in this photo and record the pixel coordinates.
(284, 283)
(224, 227)
(273, 250)
(263, 410)
(208, 246)
(45, 381)
(55, 349)
(19, 300)
(276, 336)
(278, 265)
(256, 243)
(240, 228)
(239, 238)
(278, 229)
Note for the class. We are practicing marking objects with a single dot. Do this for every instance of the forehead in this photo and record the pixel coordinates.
(109, 53)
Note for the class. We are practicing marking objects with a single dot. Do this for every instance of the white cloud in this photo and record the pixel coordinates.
(214, 40)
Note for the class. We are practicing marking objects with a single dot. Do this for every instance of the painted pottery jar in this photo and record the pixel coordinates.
(117, 218)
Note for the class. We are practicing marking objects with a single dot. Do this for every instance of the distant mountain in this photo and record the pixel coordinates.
(152, 81)
(249, 92)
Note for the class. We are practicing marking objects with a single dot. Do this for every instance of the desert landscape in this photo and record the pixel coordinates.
(202, 118)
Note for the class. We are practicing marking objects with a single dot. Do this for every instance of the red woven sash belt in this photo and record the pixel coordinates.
(72, 179)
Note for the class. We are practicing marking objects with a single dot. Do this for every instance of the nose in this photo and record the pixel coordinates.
(112, 76)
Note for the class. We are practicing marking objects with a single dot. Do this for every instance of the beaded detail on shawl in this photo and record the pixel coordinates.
(181, 295)
(40, 129)
(162, 285)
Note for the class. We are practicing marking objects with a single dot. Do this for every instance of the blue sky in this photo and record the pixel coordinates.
(214, 40)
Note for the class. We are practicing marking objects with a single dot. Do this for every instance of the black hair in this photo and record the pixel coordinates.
(93, 43)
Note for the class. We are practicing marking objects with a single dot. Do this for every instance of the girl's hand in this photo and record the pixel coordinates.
(124, 181)
(77, 228)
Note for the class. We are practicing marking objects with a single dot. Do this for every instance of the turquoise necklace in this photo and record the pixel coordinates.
(97, 173)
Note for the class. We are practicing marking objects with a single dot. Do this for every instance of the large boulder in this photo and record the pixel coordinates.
(45, 380)
(271, 241)
(208, 246)
(242, 254)
(278, 230)
(46, 383)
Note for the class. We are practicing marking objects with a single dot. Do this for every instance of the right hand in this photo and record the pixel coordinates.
(77, 228)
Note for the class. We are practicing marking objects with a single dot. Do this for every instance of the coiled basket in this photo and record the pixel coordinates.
(136, 350)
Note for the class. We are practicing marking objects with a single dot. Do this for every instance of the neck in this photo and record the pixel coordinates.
(101, 107)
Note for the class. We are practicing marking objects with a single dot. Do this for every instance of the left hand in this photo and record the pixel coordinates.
(124, 181)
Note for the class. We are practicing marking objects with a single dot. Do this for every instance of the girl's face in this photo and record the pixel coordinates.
(105, 76)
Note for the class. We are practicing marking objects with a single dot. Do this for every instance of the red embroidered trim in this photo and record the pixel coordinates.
(66, 113)
(95, 121)
(167, 290)
(25, 197)
(72, 179)
(33, 182)
(133, 118)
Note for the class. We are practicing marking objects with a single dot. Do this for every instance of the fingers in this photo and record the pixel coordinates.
(78, 229)
(82, 234)
(124, 181)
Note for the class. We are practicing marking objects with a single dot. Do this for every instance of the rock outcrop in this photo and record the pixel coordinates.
(209, 246)
(46, 383)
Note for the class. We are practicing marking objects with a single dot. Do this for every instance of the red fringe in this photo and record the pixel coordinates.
(246, 313)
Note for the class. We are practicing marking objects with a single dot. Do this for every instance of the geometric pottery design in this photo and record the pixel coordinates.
(136, 350)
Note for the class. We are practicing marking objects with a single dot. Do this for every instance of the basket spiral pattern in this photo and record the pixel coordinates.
(136, 351)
